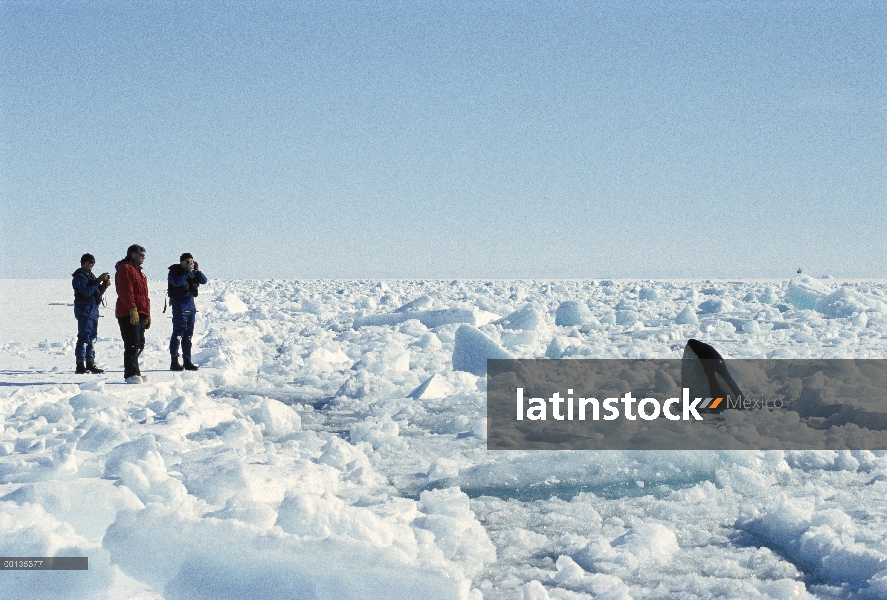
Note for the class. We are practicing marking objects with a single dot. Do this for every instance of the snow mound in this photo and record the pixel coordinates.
(89, 504)
(90, 401)
(687, 316)
(276, 419)
(627, 317)
(229, 303)
(322, 516)
(715, 305)
(601, 585)
(847, 303)
(822, 542)
(640, 547)
(804, 291)
(648, 293)
(188, 557)
(140, 466)
(101, 437)
(378, 431)
(28, 530)
(472, 349)
(527, 317)
(434, 387)
(456, 529)
(247, 511)
(807, 293)
(571, 313)
(420, 303)
(214, 475)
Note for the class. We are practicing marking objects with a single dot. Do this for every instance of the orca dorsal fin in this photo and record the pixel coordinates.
(705, 374)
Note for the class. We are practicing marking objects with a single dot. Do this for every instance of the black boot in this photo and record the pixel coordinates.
(189, 366)
(92, 368)
(174, 364)
(81, 368)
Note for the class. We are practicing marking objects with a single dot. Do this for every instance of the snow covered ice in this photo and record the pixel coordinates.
(333, 446)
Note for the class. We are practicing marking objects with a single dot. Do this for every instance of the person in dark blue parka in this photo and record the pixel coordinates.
(183, 282)
(88, 291)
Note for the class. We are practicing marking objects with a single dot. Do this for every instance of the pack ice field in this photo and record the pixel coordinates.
(333, 445)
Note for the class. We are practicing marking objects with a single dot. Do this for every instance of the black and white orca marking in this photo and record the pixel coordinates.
(705, 374)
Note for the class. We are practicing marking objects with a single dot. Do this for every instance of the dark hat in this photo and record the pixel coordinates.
(185, 255)
(134, 248)
(87, 258)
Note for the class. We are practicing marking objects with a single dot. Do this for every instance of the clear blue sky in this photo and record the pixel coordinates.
(439, 140)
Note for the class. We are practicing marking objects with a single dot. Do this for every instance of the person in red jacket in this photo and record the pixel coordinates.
(133, 310)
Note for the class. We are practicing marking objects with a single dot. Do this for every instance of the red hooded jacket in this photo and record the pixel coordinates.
(132, 289)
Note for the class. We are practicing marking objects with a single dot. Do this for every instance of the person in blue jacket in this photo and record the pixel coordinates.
(88, 291)
(183, 282)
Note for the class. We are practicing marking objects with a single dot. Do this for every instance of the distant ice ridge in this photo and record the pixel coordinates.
(804, 292)
(327, 448)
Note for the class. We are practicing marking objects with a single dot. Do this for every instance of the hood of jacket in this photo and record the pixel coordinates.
(126, 261)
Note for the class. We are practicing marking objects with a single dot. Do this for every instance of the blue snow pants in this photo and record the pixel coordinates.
(182, 327)
(87, 331)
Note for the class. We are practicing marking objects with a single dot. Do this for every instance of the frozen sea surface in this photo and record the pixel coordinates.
(329, 449)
